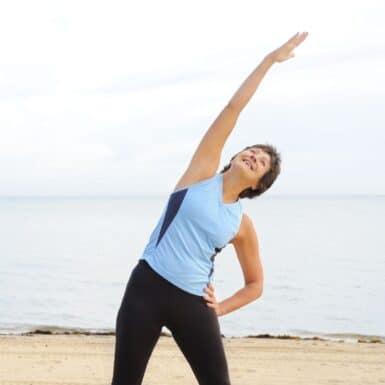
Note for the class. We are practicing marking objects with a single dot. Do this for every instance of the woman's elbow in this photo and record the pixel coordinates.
(257, 289)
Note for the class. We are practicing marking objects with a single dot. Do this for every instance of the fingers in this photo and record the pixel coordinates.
(210, 286)
(298, 38)
(301, 38)
(210, 300)
(209, 290)
(211, 295)
(293, 38)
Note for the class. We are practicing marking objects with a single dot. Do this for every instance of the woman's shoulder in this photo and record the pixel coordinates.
(246, 229)
(188, 181)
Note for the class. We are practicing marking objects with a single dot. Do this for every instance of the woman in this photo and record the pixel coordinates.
(171, 285)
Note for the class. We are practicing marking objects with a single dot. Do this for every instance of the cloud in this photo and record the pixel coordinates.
(93, 98)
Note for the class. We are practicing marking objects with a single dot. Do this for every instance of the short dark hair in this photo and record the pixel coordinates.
(268, 178)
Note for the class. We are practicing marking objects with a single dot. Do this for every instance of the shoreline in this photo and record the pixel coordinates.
(336, 337)
(60, 359)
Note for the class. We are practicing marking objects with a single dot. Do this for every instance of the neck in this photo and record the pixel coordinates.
(232, 187)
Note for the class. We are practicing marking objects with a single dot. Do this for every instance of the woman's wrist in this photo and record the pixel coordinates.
(269, 59)
(220, 311)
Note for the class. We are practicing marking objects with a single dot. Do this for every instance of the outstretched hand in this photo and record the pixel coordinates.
(284, 52)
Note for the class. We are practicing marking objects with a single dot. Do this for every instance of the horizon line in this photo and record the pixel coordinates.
(167, 194)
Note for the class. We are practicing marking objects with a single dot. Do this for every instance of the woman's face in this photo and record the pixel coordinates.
(254, 163)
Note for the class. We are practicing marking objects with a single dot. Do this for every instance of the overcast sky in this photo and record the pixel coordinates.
(112, 98)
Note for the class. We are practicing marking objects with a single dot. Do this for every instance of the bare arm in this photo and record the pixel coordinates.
(214, 140)
(206, 158)
(247, 248)
(250, 85)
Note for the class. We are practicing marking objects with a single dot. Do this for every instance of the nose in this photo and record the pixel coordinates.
(252, 156)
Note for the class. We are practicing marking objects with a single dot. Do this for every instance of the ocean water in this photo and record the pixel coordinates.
(64, 263)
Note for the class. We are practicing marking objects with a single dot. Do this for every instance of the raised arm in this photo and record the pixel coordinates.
(206, 158)
(249, 86)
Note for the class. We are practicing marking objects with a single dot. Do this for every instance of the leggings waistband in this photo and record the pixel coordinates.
(143, 264)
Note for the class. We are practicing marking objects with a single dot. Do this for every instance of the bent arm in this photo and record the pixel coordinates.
(242, 297)
(247, 248)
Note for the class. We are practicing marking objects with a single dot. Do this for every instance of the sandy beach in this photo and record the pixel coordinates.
(88, 359)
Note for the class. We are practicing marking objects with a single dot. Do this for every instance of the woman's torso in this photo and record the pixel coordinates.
(194, 226)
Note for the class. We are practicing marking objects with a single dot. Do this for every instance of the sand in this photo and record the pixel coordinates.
(88, 359)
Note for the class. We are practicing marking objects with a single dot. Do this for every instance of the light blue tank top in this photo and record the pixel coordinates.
(194, 226)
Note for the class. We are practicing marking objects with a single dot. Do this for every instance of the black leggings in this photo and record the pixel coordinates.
(149, 302)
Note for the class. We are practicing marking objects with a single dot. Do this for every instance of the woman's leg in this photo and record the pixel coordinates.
(138, 327)
(196, 330)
